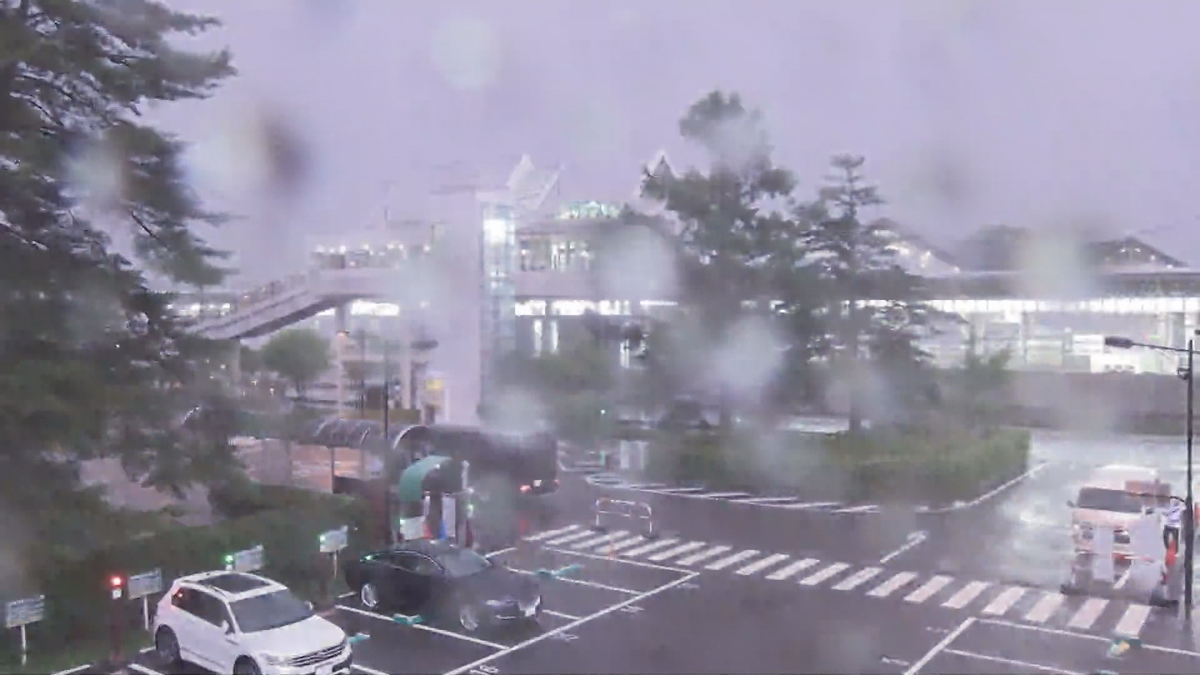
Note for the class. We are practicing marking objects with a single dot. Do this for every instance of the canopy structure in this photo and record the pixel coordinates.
(342, 433)
(411, 486)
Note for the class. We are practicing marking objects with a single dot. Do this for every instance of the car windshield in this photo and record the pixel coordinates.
(270, 610)
(1109, 500)
(463, 563)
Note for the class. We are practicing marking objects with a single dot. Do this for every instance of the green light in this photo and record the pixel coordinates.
(229, 560)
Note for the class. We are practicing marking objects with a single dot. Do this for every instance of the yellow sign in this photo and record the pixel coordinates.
(434, 385)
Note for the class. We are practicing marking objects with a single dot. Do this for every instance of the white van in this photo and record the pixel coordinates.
(1115, 496)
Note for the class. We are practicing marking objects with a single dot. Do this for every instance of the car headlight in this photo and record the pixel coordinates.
(275, 660)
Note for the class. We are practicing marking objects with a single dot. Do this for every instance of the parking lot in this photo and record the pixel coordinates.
(588, 587)
(990, 646)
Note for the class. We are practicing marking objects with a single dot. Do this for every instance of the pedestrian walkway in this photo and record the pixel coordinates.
(978, 597)
(615, 481)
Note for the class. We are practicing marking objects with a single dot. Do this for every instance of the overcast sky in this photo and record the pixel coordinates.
(970, 111)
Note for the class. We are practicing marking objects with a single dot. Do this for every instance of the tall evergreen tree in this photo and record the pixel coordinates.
(875, 307)
(728, 218)
(93, 363)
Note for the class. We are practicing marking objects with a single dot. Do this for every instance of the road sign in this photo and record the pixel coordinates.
(146, 583)
(24, 611)
(246, 561)
(335, 540)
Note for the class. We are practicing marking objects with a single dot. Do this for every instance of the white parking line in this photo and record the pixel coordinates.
(1011, 662)
(1044, 608)
(574, 624)
(76, 669)
(1088, 613)
(493, 554)
(927, 589)
(731, 560)
(818, 577)
(792, 569)
(764, 500)
(574, 536)
(763, 564)
(724, 495)
(702, 555)
(561, 615)
(368, 671)
(652, 546)
(678, 490)
(1132, 620)
(965, 595)
(808, 505)
(137, 667)
(552, 533)
(1003, 602)
(583, 582)
(940, 646)
(891, 585)
(857, 579)
(865, 508)
(671, 553)
(421, 626)
(1086, 636)
(601, 539)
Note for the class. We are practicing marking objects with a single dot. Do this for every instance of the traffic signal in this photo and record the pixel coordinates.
(229, 561)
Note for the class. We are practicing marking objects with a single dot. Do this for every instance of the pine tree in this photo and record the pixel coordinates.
(93, 363)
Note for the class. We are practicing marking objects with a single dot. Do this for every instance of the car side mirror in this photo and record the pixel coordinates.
(309, 605)
(228, 629)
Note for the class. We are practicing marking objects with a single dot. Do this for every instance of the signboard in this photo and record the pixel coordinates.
(25, 611)
(246, 561)
(412, 528)
(146, 583)
(335, 540)
(449, 517)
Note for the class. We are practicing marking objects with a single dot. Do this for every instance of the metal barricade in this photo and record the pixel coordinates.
(637, 511)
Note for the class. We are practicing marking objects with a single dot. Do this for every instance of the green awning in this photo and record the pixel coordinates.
(410, 488)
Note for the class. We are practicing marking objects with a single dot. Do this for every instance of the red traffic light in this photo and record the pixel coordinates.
(115, 581)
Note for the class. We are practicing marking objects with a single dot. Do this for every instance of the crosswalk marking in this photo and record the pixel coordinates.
(965, 595)
(857, 579)
(604, 538)
(570, 537)
(731, 560)
(672, 552)
(888, 587)
(1003, 602)
(1132, 620)
(702, 555)
(798, 566)
(761, 564)
(1088, 613)
(552, 533)
(652, 546)
(927, 589)
(818, 577)
(1044, 608)
(626, 543)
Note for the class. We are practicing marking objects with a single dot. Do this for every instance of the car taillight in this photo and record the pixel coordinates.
(525, 488)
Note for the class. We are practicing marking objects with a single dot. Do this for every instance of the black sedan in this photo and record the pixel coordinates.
(442, 581)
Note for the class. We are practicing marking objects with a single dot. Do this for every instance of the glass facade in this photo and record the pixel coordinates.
(498, 293)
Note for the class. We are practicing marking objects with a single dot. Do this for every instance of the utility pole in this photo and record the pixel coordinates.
(1189, 524)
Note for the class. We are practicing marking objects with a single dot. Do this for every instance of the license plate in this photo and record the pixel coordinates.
(325, 670)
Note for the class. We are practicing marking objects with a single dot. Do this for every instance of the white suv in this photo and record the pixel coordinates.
(232, 622)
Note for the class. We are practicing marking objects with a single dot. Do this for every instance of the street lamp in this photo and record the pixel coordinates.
(1189, 525)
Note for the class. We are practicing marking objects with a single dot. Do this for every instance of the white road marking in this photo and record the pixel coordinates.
(891, 585)
(570, 626)
(1132, 620)
(493, 554)
(652, 546)
(561, 615)
(677, 490)
(678, 550)
(724, 495)
(1044, 608)
(552, 533)
(702, 555)
(808, 505)
(137, 667)
(1003, 602)
(914, 539)
(617, 546)
(1086, 636)
(1124, 579)
(793, 568)
(764, 500)
(1012, 662)
(76, 669)
(1088, 613)
(857, 579)
(865, 508)
(818, 577)
(368, 671)
(601, 539)
(583, 582)
(731, 560)
(763, 564)
(574, 536)
(940, 646)
(965, 595)
(927, 590)
(421, 626)
(623, 561)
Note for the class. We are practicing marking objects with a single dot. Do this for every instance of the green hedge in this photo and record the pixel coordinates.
(76, 587)
(914, 466)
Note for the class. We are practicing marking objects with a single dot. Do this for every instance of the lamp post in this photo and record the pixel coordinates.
(1189, 524)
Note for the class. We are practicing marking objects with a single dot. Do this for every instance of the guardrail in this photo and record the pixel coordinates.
(635, 511)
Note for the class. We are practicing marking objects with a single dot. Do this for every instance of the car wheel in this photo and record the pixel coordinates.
(468, 617)
(369, 595)
(166, 646)
(245, 666)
